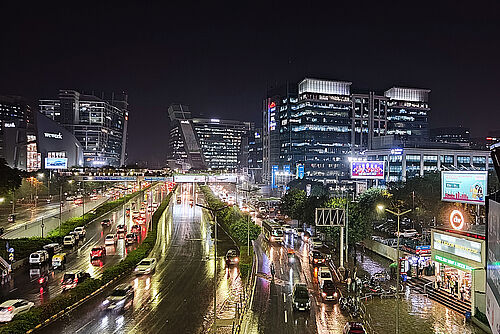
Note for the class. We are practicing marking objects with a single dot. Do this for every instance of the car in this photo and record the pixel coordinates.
(135, 214)
(52, 248)
(354, 328)
(316, 258)
(130, 238)
(81, 231)
(11, 218)
(58, 260)
(120, 299)
(110, 239)
(146, 266)
(106, 222)
(136, 229)
(407, 233)
(287, 228)
(39, 257)
(69, 241)
(78, 201)
(142, 212)
(140, 220)
(71, 279)
(97, 252)
(127, 212)
(329, 291)
(121, 228)
(232, 257)
(76, 235)
(300, 298)
(13, 307)
(324, 274)
(315, 242)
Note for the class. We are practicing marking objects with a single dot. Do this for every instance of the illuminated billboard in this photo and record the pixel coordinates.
(367, 170)
(464, 186)
(56, 163)
(189, 178)
(493, 267)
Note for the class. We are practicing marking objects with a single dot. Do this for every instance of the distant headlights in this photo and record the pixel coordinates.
(105, 302)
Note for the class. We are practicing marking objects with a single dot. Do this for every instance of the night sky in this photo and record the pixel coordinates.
(219, 58)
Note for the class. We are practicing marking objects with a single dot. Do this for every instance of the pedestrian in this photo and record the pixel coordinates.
(348, 284)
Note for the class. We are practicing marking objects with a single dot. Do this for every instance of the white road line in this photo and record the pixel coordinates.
(281, 269)
(286, 319)
(84, 326)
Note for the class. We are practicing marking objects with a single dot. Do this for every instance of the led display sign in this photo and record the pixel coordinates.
(452, 263)
(56, 163)
(367, 169)
(461, 247)
(464, 186)
(457, 220)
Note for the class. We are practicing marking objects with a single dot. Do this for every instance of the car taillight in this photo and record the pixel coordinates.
(10, 309)
(75, 281)
(316, 260)
(40, 280)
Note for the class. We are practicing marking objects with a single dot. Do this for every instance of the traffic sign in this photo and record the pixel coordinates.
(11, 250)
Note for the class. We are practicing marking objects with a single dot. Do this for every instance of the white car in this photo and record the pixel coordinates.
(110, 239)
(287, 228)
(81, 231)
(407, 233)
(10, 308)
(323, 275)
(146, 266)
(69, 240)
(39, 257)
(315, 242)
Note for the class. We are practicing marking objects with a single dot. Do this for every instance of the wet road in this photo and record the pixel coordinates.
(24, 283)
(177, 297)
(271, 311)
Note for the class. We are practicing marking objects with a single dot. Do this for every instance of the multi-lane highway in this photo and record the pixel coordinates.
(271, 311)
(177, 297)
(24, 281)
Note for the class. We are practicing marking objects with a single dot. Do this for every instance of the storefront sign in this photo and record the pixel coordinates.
(467, 249)
(421, 250)
(457, 219)
(452, 263)
(53, 135)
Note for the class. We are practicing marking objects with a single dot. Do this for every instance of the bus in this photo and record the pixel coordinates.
(272, 231)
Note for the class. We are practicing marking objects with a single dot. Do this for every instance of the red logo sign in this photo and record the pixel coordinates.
(457, 220)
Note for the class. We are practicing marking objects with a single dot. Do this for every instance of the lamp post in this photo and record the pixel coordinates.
(247, 191)
(397, 214)
(214, 211)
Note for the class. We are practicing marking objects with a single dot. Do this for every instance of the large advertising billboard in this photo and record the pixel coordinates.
(464, 186)
(461, 247)
(189, 178)
(56, 163)
(493, 267)
(223, 178)
(367, 170)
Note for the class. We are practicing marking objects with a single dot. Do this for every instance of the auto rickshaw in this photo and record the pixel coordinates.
(58, 260)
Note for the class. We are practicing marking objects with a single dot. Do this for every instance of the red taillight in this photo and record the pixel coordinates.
(75, 281)
(41, 280)
(316, 260)
(9, 309)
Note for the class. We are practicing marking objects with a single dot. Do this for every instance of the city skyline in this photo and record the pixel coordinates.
(236, 60)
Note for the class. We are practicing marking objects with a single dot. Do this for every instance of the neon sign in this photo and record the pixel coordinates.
(457, 220)
(453, 263)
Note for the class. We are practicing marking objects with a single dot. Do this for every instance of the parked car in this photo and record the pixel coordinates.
(97, 252)
(71, 279)
(110, 239)
(407, 233)
(232, 257)
(39, 257)
(300, 298)
(120, 299)
(106, 222)
(13, 307)
(69, 241)
(81, 231)
(146, 266)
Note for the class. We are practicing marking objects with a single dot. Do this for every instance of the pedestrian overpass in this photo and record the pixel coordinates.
(177, 178)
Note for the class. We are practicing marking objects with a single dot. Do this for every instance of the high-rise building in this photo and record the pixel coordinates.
(212, 144)
(408, 113)
(99, 123)
(369, 120)
(451, 135)
(16, 126)
(255, 155)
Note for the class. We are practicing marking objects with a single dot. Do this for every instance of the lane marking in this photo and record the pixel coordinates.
(88, 323)
(284, 298)
(281, 269)
(286, 319)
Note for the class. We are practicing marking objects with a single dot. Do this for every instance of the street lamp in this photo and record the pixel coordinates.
(213, 211)
(247, 191)
(2, 199)
(398, 214)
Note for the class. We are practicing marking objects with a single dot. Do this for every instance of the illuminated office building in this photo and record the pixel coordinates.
(99, 123)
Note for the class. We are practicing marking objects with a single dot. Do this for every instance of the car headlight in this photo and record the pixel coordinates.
(136, 269)
(105, 302)
(120, 303)
(335, 295)
(147, 270)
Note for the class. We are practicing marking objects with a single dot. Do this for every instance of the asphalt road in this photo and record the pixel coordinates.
(271, 311)
(177, 297)
(24, 283)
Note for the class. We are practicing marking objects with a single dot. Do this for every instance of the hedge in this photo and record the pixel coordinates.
(25, 246)
(235, 223)
(38, 314)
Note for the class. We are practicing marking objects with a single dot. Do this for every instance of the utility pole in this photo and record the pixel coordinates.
(214, 211)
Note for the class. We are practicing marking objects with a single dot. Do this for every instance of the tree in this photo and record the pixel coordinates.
(317, 188)
(293, 202)
(11, 178)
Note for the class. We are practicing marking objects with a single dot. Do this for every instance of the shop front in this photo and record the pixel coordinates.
(459, 262)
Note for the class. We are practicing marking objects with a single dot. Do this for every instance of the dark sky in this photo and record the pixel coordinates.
(220, 57)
